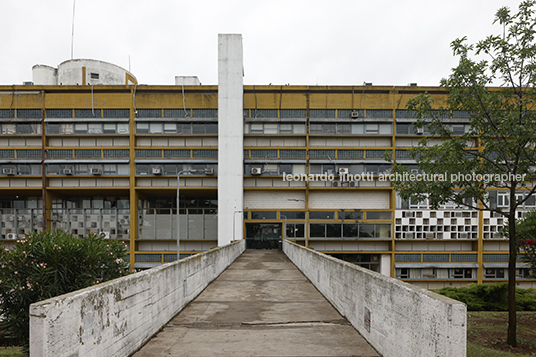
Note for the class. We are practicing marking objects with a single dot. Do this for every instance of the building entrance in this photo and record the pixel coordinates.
(263, 235)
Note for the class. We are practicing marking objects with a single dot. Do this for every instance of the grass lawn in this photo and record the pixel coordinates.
(486, 334)
(10, 352)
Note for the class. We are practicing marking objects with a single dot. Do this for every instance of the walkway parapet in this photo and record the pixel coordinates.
(116, 318)
(396, 318)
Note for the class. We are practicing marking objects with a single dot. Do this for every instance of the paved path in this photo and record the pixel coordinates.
(262, 305)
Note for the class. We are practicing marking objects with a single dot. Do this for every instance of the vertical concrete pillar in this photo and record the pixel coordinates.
(385, 265)
(230, 138)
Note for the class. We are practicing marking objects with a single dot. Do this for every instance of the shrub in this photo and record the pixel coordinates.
(48, 264)
(490, 297)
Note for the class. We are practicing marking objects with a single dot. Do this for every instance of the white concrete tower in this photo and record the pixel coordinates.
(230, 138)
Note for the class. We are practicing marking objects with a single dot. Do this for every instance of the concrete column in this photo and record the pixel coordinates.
(385, 264)
(230, 138)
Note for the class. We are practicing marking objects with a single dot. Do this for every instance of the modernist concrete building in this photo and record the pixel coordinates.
(86, 149)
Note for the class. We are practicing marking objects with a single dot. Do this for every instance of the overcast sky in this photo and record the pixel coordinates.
(310, 42)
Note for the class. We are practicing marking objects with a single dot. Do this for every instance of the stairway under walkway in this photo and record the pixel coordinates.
(262, 305)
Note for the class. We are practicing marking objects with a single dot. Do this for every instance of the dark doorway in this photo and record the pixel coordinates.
(263, 235)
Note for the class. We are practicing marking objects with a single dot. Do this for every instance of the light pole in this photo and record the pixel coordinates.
(178, 207)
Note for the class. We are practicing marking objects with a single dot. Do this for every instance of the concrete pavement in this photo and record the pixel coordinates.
(261, 305)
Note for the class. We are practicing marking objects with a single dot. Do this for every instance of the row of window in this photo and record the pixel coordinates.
(20, 169)
(213, 113)
(319, 215)
(457, 273)
(20, 128)
(171, 169)
(350, 230)
(87, 128)
(176, 128)
(88, 169)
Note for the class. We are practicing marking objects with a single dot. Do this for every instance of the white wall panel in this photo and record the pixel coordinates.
(349, 200)
(274, 200)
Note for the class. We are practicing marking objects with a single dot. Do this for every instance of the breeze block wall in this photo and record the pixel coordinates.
(396, 318)
(117, 317)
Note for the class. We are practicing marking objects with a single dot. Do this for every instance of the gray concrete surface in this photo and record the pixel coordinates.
(262, 305)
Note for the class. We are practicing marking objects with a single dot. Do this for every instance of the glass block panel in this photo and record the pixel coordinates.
(407, 258)
(116, 154)
(322, 113)
(375, 154)
(148, 258)
(402, 154)
(29, 113)
(116, 113)
(293, 113)
(7, 154)
(350, 154)
(322, 154)
(264, 113)
(435, 258)
(292, 154)
(347, 113)
(7, 113)
(148, 153)
(204, 113)
(405, 114)
(205, 153)
(264, 154)
(495, 258)
(463, 258)
(59, 113)
(28, 154)
(380, 113)
(87, 113)
(176, 113)
(176, 153)
(88, 154)
(149, 113)
(59, 154)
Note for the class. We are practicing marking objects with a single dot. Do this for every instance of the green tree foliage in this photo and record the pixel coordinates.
(490, 297)
(498, 149)
(48, 264)
(526, 239)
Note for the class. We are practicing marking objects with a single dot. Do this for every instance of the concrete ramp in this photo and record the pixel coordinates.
(262, 305)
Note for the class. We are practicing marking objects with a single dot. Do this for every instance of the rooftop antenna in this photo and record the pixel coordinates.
(72, 34)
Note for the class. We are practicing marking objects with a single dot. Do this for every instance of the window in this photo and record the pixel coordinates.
(402, 273)
(295, 230)
(263, 215)
(322, 215)
(461, 273)
(94, 75)
(494, 273)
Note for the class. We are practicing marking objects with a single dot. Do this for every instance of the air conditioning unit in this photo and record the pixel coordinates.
(8, 171)
(354, 114)
(11, 236)
(67, 171)
(209, 171)
(256, 170)
(95, 171)
(344, 171)
(105, 235)
(157, 171)
(419, 131)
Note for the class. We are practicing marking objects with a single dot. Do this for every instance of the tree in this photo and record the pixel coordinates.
(497, 151)
(47, 264)
(526, 239)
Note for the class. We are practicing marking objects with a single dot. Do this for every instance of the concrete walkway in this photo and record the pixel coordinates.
(262, 305)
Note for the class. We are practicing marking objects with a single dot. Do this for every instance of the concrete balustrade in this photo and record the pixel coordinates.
(117, 317)
(396, 318)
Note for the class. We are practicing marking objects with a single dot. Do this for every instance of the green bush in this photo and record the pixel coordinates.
(491, 297)
(48, 264)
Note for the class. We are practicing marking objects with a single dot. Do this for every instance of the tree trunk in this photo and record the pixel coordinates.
(512, 323)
